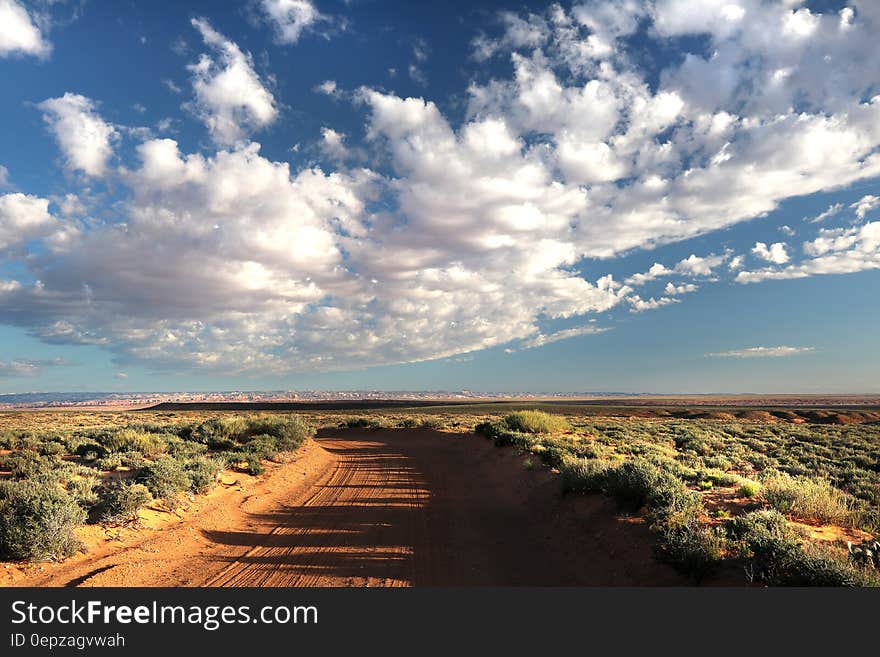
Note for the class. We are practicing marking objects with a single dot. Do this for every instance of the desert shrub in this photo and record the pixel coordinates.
(51, 449)
(37, 522)
(220, 443)
(671, 503)
(632, 482)
(691, 547)
(806, 498)
(110, 462)
(583, 475)
(432, 423)
(536, 422)
(184, 449)
(749, 488)
(229, 458)
(83, 489)
(121, 501)
(90, 451)
(150, 445)
(490, 429)
(776, 554)
(219, 429)
(290, 431)
(27, 464)
(263, 446)
(408, 423)
(254, 465)
(165, 478)
(133, 460)
(203, 473)
(360, 423)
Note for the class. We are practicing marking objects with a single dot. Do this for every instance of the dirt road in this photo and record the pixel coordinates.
(386, 508)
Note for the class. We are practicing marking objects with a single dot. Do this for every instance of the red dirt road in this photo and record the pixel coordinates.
(388, 508)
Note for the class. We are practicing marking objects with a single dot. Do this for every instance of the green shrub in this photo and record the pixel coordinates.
(408, 423)
(165, 478)
(51, 449)
(360, 423)
(203, 473)
(90, 451)
(254, 465)
(37, 522)
(83, 489)
(184, 449)
(121, 501)
(807, 498)
(749, 488)
(150, 445)
(27, 464)
(432, 423)
(536, 422)
(264, 446)
(583, 475)
(691, 547)
(632, 482)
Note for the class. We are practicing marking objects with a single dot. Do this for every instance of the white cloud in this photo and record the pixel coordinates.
(19, 32)
(333, 145)
(4, 177)
(787, 230)
(229, 260)
(542, 339)
(230, 98)
(865, 204)
(835, 251)
(775, 253)
(292, 18)
(684, 288)
(23, 218)
(328, 88)
(83, 136)
(27, 367)
(762, 352)
(832, 210)
(693, 265)
(640, 305)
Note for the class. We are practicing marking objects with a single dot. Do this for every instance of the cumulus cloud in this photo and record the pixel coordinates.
(835, 251)
(775, 253)
(637, 304)
(575, 150)
(292, 18)
(83, 136)
(19, 32)
(693, 265)
(230, 98)
(684, 288)
(332, 144)
(762, 352)
(23, 218)
(865, 204)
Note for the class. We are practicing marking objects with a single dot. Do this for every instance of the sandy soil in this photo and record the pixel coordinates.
(380, 508)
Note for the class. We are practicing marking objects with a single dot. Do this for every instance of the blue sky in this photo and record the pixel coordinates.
(647, 196)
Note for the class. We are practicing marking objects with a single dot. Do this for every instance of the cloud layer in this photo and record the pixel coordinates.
(462, 234)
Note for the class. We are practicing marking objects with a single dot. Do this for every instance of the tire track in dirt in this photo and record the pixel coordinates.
(403, 508)
(355, 529)
(384, 508)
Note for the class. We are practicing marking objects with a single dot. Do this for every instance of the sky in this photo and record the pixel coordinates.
(673, 196)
